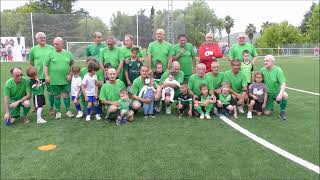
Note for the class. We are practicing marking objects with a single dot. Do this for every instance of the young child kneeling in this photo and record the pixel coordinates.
(225, 103)
(184, 101)
(204, 104)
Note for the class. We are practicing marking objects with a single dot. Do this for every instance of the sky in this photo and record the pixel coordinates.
(243, 12)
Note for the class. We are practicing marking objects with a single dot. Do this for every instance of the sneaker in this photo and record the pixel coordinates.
(202, 116)
(249, 115)
(118, 121)
(26, 121)
(283, 115)
(158, 108)
(40, 121)
(146, 116)
(80, 114)
(207, 116)
(88, 118)
(98, 117)
(125, 121)
(240, 109)
(58, 115)
(152, 115)
(107, 119)
(52, 111)
(69, 114)
(168, 110)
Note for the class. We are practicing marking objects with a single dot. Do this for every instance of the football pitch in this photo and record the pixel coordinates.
(167, 147)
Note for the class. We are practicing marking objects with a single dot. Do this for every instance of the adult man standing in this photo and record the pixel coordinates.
(128, 45)
(138, 84)
(209, 51)
(178, 76)
(16, 95)
(275, 81)
(214, 78)
(237, 49)
(95, 48)
(112, 55)
(159, 50)
(184, 53)
(57, 72)
(109, 94)
(37, 57)
(238, 83)
(196, 80)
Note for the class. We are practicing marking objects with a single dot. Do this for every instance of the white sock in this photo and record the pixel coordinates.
(39, 111)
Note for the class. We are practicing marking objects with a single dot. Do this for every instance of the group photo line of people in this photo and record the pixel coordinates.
(119, 82)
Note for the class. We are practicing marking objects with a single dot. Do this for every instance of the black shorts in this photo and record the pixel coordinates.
(257, 105)
(39, 100)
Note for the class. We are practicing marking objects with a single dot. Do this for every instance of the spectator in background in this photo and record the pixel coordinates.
(23, 53)
(209, 51)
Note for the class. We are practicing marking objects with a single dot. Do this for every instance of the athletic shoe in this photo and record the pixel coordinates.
(207, 116)
(283, 115)
(98, 117)
(40, 121)
(202, 116)
(152, 115)
(107, 119)
(80, 114)
(88, 118)
(69, 114)
(146, 116)
(26, 121)
(240, 109)
(249, 115)
(168, 110)
(118, 121)
(58, 115)
(158, 107)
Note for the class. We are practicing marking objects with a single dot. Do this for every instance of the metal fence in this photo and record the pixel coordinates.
(288, 51)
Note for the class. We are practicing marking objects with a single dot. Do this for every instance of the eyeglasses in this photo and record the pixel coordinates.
(17, 75)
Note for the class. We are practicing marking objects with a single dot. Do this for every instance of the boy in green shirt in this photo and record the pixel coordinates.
(246, 66)
(124, 108)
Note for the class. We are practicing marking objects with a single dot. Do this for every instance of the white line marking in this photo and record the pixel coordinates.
(308, 92)
(272, 147)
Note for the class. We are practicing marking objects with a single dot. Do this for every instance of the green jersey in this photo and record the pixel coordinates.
(110, 92)
(111, 56)
(237, 81)
(237, 49)
(246, 69)
(58, 64)
(225, 100)
(126, 53)
(16, 91)
(185, 59)
(214, 82)
(138, 84)
(124, 104)
(36, 89)
(94, 49)
(195, 82)
(133, 68)
(37, 56)
(178, 77)
(159, 51)
(273, 78)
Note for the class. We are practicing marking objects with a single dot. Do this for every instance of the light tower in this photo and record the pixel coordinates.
(169, 30)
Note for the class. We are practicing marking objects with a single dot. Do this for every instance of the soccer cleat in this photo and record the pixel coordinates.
(58, 115)
(249, 115)
(88, 118)
(207, 116)
(41, 121)
(240, 109)
(168, 110)
(80, 114)
(283, 115)
(69, 114)
(202, 116)
(98, 117)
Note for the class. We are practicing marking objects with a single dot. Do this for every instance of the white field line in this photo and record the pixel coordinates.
(272, 147)
(299, 90)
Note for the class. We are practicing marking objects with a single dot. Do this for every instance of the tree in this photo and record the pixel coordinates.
(250, 31)
(121, 24)
(313, 25)
(304, 24)
(92, 24)
(228, 24)
(279, 34)
(264, 26)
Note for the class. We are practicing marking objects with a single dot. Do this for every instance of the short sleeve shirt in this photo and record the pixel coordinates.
(159, 51)
(37, 55)
(110, 92)
(16, 91)
(138, 84)
(195, 82)
(237, 81)
(237, 49)
(185, 59)
(273, 78)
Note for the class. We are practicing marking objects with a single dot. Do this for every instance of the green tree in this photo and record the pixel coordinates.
(264, 26)
(250, 31)
(313, 25)
(228, 24)
(121, 24)
(91, 24)
(304, 24)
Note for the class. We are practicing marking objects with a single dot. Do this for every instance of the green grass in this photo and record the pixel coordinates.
(167, 147)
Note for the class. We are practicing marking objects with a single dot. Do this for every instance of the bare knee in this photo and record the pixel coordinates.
(285, 95)
(112, 108)
(26, 103)
(267, 112)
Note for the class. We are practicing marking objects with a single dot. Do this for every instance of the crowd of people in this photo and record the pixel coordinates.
(119, 82)
(7, 50)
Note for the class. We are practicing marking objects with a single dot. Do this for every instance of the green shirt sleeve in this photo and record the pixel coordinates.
(164, 77)
(190, 83)
(47, 60)
(254, 52)
(149, 49)
(31, 55)
(281, 76)
(231, 52)
(101, 55)
(102, 94)
(6, 89)
(135, 88)
(140, 54)
(28, 89)
(180, 78)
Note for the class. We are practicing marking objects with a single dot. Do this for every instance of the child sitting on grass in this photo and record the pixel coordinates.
(124, 108)
(225, 103)
(204, 103)
(184, 101)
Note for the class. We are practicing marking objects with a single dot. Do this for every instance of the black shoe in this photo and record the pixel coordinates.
(107, 119)
(283, 115)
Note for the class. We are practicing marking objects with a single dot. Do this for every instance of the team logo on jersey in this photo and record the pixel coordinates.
(208, 53)
(257, 92)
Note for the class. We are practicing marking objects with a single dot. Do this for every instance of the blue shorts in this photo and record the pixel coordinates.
(73, 98)
(92, 99)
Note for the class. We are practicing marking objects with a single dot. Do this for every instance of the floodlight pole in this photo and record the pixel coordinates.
(32, 34)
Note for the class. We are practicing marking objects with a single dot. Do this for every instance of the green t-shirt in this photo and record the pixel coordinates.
(159, 51)
(37, 55)
(111, 56)
(195, 82)
(138, 84)
(133, 68)
(204, 98)
(237, 81)
(126, 53)
(273, 78)
(214, 82)
(58, 64)
(110, 92)
(16, 91)
(237, 49)
(124, 104)
(94, 49)
(178, 77)
(35, 89)
(246, 69)
(225, 100)
(185, 59)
